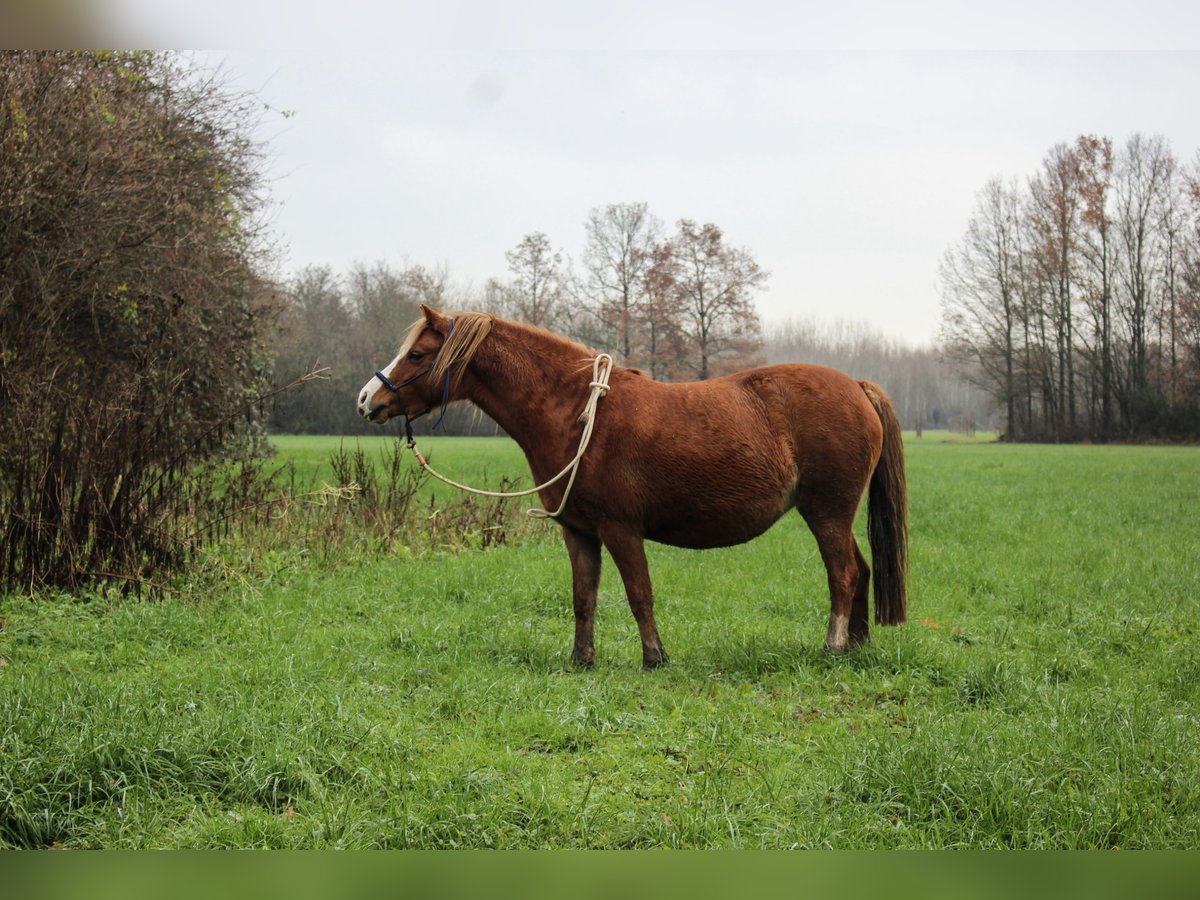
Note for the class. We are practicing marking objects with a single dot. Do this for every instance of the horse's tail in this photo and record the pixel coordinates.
(887, 515)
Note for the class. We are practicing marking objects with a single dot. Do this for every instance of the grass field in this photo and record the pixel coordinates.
(475, 461)
(1046, 692)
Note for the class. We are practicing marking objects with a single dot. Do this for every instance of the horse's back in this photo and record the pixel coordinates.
(717, 462)
(812, 409)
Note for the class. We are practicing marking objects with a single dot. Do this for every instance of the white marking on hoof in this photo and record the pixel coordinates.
(839, 633)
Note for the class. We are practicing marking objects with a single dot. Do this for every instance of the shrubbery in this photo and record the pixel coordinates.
(131, 313)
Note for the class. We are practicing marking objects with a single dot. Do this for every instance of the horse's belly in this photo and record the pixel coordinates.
(701, 522)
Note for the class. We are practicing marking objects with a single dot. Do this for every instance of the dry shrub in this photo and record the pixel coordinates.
(131, 317)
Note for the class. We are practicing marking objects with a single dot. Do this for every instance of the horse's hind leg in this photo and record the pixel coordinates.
(860, 620)
(629, 553)
(849, 578)
(584, 551)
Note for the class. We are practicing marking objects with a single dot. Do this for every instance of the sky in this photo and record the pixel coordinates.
(843, 147)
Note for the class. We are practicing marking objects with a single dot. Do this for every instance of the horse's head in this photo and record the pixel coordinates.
(408, 386)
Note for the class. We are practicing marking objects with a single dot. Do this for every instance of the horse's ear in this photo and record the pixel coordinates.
(435, 319)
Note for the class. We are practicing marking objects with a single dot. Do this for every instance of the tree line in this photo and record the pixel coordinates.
(1073, 297)
(678, 306)
(345, 324)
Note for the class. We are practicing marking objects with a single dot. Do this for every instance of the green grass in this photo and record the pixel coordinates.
(1046, 692)
(479, 462)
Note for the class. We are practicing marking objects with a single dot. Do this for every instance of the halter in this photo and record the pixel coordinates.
(395, 389)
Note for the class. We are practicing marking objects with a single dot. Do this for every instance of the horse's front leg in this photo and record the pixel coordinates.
(584, 552)
(629, 553)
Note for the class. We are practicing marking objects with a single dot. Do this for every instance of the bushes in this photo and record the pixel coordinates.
(131, 315)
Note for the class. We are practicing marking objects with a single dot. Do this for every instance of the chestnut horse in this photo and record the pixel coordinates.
(705, 464)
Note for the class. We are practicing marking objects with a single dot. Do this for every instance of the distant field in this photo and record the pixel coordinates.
(1046, 692)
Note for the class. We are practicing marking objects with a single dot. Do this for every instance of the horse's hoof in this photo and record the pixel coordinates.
(649, 663)
(583, 660)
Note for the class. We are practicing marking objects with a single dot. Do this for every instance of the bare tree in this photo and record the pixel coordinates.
(714, 285)
(616, 258)
(1054, 211)
(535, 294)
(1171, 227)
(1142, 175)
(981, 296)
(315, 331)
(663, 348)
(1096, 248)
(1189, 305)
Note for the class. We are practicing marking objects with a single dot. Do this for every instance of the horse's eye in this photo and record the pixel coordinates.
(416, 356)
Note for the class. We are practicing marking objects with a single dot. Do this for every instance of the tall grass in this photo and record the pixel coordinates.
(335, 500)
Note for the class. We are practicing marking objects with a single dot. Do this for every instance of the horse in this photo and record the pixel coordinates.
(697, 465)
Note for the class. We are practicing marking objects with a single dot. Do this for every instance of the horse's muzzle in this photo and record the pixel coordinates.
(377, 413)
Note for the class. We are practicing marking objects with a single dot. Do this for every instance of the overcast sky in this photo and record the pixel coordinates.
(441, 136)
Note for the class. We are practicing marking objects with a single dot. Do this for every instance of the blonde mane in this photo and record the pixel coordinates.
(470, 328)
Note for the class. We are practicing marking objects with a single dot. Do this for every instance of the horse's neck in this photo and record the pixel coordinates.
(532, 386)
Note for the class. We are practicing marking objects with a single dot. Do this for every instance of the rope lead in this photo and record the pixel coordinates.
(601, 369)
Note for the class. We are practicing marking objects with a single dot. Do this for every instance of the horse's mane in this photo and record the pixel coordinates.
(470, 330)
